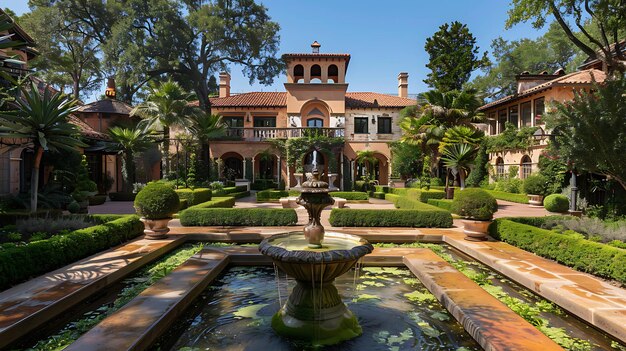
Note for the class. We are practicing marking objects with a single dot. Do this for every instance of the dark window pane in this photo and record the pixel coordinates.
(501, 120)
(360, 125)
(233, 122)
(513, 116)
(264, 122)
(526, 116)
(384, 125)
(539, 110)
(315, 123)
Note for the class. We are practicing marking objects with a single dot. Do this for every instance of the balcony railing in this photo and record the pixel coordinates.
(264, 133)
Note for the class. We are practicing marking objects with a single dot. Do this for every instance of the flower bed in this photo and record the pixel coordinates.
(238, 217)
(18, 263)
(345, 217)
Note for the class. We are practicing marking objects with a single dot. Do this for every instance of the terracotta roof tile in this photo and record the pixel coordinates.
(373, 100)
(574, 78)
(86, 130)
(107, 106)
(279, 99)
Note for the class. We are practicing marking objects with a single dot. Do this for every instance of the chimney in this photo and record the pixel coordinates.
(110, 90)
(316, 47)
(224, 84)
(403, 85)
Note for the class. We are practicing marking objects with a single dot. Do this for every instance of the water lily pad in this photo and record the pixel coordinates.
(249, 311)
(365, 297)
(440, 316)
(428, 330)
(418, 296)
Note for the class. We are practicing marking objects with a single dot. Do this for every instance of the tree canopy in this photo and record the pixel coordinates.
(454, 55)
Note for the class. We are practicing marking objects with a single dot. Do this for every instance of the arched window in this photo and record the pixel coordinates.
(316, 74)
(233, 167)
(315, 123)
(526, 166)
(333, 74)
(298, 73)
(499, 167)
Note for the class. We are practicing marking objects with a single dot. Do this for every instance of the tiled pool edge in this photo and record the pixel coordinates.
(115, 333)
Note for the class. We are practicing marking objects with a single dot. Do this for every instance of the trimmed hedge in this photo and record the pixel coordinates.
(378, 195)
(419, 194)
(441, 203)
(274, 195)
(20, 263)
(350, 195)
(217, 202)
(581, 254)
(233, 190)
(194, 196)
(501, 195)
(239, 195)
(238, 217)
(97, 200)
(345, 217)
(556, 203)
(183, 204)
(392, 198)
(382, 189)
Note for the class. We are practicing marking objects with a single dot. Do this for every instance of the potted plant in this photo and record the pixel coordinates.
(478, 207)
(535, 188)
(156, 204)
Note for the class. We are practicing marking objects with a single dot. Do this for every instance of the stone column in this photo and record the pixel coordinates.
(341, 170)
(278, 166)
(244, 168)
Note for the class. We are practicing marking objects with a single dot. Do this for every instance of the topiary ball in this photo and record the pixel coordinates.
(73, 207)
(156, 201)
(556, 203)
(474, 203)
(535, 184)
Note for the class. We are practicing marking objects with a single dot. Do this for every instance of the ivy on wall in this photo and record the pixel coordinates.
(511, 139)
(296, 148)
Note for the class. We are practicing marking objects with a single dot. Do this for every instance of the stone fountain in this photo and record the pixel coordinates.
(315, 311)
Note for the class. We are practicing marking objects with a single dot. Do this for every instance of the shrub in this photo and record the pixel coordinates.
(500, 195)
(424, 195)
(239, 195)
(217, 202)
(122, 196)
(441, 203)
(73, 207)
(271, 195)
(509, 185)
(535, 184)
(157, 201)
(378, 195)
(183, 204)
(345, 217)
(238, 217)
(263, 184)
(97, 200)
(20, 263)
(194, 196)
(474, 203)
(581, 254)
(556, 203)
(350, 195)
(392, 198)
(11, 217)
(382, 189)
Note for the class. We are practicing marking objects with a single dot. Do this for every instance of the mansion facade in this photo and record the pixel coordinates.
(316, 101)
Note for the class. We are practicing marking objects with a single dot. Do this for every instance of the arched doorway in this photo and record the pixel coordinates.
(499, 167)
(233, 166)
(266, 166)
(526, 166)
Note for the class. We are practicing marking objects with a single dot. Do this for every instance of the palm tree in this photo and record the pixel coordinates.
(461, 135)
(131, 141)
(166, 106)
(459, 157)
(451, 108)
(43, 120)
(205, 127)
(422, 132)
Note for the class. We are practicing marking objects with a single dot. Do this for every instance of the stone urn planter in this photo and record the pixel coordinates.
(535, 200)
(298, 180)
(475, 230)
(156, 204)
(478, 207)
(156, 228)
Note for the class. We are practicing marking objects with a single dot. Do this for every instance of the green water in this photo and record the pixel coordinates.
(332, 241)
(394, 309)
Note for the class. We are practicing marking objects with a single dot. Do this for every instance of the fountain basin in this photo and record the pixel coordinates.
(315, 311)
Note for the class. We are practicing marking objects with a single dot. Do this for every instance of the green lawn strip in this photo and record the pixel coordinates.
(149, 275)
(501, 195)
(530, 312)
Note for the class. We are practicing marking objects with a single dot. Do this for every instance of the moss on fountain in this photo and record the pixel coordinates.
(318, 333)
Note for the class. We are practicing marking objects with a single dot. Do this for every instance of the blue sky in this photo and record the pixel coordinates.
(384, 38)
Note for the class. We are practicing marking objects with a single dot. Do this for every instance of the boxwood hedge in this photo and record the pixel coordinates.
(502, 195)
(345, 217)
(351, 195)
(579, 253)
(419, 194)
(194, 196)
(217, 202)
(20, 263)
(274, 195)
(441, 203)
(238, 217)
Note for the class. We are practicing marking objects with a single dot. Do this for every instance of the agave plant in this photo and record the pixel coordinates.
(459, 157)
(42, 119)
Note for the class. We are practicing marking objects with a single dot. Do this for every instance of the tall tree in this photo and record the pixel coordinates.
(42, 119)
(68, 56)
(205, 127)
(167, 106)
(608, 17)
(550, 52)
(591, 130)
(454, 55)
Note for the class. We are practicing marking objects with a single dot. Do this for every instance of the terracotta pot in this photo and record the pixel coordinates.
(475, 230)
(155, 228)
(535, 200)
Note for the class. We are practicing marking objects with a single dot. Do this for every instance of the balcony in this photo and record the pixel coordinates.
(264, 133)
